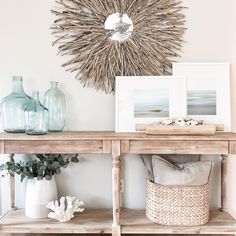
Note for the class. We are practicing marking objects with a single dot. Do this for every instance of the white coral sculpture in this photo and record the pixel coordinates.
(64, 211)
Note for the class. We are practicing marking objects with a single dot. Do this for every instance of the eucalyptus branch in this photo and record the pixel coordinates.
(43, 166)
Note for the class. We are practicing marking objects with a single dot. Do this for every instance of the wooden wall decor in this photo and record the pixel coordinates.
(108, 38)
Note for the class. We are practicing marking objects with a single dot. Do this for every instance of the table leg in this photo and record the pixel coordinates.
(116, 172)
(223, 181)
(11, 186)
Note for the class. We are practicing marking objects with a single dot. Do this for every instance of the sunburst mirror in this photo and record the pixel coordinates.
(109, 38)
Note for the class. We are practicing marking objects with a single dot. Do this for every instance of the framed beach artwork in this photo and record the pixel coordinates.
(148, 99)
(208, 91)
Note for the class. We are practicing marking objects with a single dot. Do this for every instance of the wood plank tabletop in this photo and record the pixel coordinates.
(110, 135)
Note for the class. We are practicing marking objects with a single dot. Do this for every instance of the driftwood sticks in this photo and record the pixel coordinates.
(156, 39)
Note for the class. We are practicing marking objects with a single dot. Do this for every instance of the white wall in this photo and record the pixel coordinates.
(25, 49)
(232, 162)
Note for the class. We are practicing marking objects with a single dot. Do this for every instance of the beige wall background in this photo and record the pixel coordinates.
(25, 49)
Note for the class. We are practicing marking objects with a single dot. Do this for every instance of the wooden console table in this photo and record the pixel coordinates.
(118, 221)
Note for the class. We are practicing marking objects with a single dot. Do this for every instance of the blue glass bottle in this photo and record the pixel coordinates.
(55, 102)
(13, 106)
(36, 117)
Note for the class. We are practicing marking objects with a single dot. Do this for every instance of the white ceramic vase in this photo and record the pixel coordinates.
(38, 194)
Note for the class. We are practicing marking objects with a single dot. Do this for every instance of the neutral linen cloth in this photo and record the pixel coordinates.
(186, 174)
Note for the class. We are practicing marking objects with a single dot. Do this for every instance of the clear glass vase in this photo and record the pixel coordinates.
(12, 108)
(36, 117)
(55, 102)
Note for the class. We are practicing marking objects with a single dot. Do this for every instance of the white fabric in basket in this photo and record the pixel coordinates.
(187, 174)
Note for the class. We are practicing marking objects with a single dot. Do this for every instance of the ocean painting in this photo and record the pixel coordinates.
(151, 103)
(201, 102)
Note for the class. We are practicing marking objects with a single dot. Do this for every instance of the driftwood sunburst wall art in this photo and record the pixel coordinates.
(108, 38)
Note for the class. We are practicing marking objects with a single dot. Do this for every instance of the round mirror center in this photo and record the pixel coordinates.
(118, 26)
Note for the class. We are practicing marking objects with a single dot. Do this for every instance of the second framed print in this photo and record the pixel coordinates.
(148, 99)
(208, 91)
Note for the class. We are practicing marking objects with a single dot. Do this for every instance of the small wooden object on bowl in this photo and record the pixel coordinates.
(179, 130)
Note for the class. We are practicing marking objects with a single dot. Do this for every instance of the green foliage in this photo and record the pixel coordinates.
(43, 166)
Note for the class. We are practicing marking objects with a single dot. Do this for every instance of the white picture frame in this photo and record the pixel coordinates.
(208, 91)
(148, 99)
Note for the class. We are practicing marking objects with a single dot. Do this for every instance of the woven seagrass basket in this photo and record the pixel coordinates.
(177, 205)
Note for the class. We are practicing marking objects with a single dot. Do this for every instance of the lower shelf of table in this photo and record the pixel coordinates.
(88, 222)
(100, 221)
(135, 222)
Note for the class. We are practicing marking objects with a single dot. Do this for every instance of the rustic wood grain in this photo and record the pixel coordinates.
(224, 165)
(179, 130)
(100, 234)
(107, 147)
(96, 59)
(11, 186)
(220, 127)
(109, 135)
(178, 147)
(185, 130)
(232, 147)
(90, 221)
(129, 221)
(116, 230)
(116, 177)
(63, 147)
(2, 149)
(135, 222)
(100, 221)
(125, 146)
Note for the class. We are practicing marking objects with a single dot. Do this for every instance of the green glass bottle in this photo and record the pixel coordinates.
(36, 117)
(12, 108)
(55, 102)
